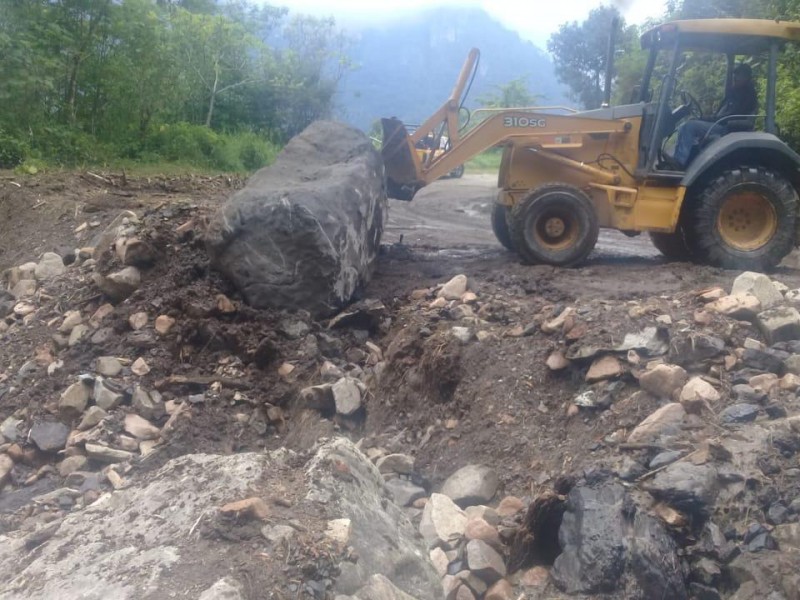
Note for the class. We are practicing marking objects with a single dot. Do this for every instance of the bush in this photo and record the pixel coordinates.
(12, 151)
(199, 146)
(64, 146)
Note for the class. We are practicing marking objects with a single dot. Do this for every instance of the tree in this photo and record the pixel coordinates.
(514, 94)
(580, 53)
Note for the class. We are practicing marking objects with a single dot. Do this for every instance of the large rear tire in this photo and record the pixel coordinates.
(744, 219)
(556, 224)
(672, 245)
(500, 216)
(457, 173)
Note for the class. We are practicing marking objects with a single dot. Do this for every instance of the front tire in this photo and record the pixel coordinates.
(500, 216)
(744, 219)
(556, 224)
(457, 173)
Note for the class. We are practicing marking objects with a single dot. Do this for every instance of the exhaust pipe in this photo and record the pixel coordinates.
(612, 46)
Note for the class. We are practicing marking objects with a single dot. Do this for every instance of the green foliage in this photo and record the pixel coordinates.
(181, 80)
(12, 151)
(580, 53)
(514, 94)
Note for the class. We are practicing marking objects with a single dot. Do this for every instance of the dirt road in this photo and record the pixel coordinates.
(454, 213)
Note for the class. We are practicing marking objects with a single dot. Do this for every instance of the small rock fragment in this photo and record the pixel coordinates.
(760, 286)
(454, 289)
(443, 523)
(49, 436)
(606, 367)
(74, 400)
(339, 531)
(779, 324)
(102, 453)
(92, 417)
(108, 366)
(120, 285)
(396, 463)
(164, 324)
(737, 306)
(140, 367)
(250, 508)
(72, 318)
(140, 428)
(667, 420)
(739, 413)
(470, 485)
(51, 265)
(484, 561)
(663, 381)
(698, 395)
(557, 361)
(346, 396)
(138, 320)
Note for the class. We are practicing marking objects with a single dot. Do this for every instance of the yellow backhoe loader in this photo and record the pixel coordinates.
(566, 174)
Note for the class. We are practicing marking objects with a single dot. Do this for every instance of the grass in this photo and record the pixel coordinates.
(486, 162)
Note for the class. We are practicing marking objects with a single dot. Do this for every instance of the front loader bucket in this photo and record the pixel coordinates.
(400, 161)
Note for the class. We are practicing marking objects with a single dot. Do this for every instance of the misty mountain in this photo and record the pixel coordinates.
(407, 68)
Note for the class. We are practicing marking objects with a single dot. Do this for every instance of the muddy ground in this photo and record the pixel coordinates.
(449, 405)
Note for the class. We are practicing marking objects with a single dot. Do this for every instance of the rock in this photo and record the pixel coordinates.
(338, 531)
(381, 535)
(74, 401)
(687, 487)
(9, 429)
(789, 382)
(765, 383)
(792, 364)
(696, 348)
(765, 360)
(6, 469)
(77, 334)
(396, 463)
(108, 366)
(138, 320)
(667, 420)
(744, 307)
(140, 367)
(760, 286)
(49, 436)
(138, 253)
(443, 523)
(779, 324)
(106, 396)
(378, 587)
(140, 428)
(92, 417)
(473, 484)
(224, 589)
(318, 397)
(278, 534)
(510, 506)
(599, 545)
(535, 577)
(462, 334)
(478, 529)
(249, 508)
(484, 561)
(71, 464)
(404, 492)
(557, 361)
(105, 454)
(305, 231)
(501, 590)
(119, 285)
(440, 561)
(777, 514)
(24, 288)
(605, 367)
(464, 593)
(787, 536)
(739, 413)
(164, 324)
(488, 514)
(663, 381)
(346, 396)
(664, 458)
(453, 289)
(51, 265)
(150, 406)
(698, 395)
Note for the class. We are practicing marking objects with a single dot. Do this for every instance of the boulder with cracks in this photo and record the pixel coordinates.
(305, 231)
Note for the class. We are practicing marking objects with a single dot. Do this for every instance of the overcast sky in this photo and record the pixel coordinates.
(535, 20)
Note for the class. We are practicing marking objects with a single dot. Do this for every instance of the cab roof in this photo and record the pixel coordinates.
(729, 36)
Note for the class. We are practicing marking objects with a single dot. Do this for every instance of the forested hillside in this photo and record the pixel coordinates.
(207, 83)
(407, 68)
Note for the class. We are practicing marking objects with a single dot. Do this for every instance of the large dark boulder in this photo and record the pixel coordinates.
(611, 546)
(305, 231)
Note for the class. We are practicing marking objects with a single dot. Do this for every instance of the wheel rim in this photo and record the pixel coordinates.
(555, 230)
(747, 220)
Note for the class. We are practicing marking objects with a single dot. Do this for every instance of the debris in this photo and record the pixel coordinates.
(138, 320)
(249, 508)
(141, 428)
(698, 395)
(663, 381)
(557, 361)
(396, 463)
(49, 436)
(758, 285)
(346, 396)
(484, 561)
(739, 413)
(92, 417)
(443, 523)
(667, 420)
(779, 324)
(164, 324)
(140, 367)
(105, 454)
(108, 366)
(119, 285)
(606, 367)
(51, 265)
(74, 401)
(737, 306)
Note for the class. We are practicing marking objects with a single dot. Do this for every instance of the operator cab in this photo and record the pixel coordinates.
(676, 89)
